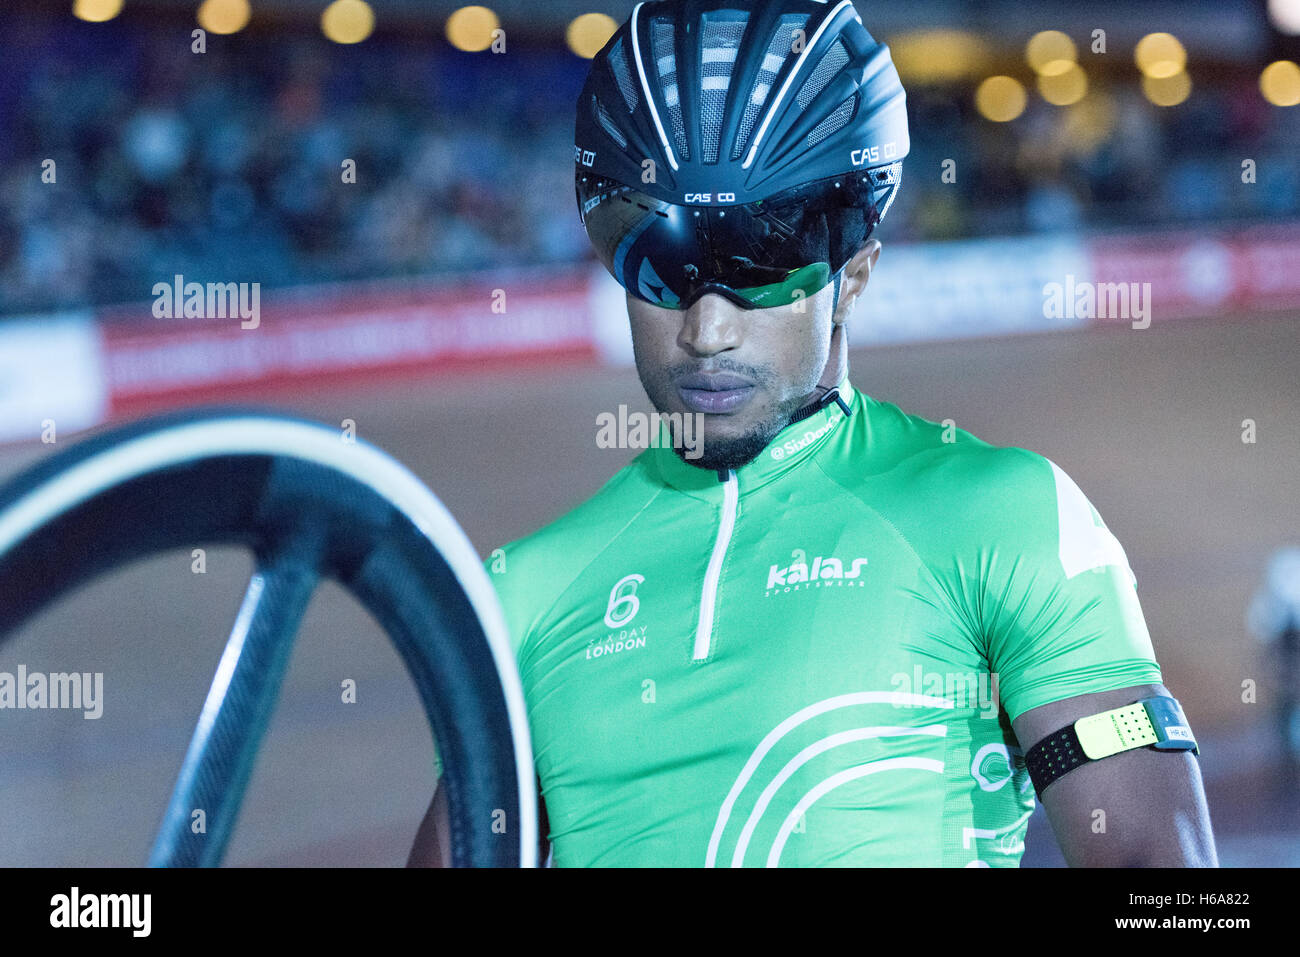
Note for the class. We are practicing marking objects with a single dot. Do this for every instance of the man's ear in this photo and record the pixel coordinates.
(856, 274)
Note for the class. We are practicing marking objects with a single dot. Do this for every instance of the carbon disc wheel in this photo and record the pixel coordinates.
(309, 506)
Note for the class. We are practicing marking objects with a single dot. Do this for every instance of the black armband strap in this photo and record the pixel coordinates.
(1155, 722)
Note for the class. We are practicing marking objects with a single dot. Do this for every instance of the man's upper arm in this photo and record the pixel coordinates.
(1057, 605)
(1057, 609)
(1139, 808)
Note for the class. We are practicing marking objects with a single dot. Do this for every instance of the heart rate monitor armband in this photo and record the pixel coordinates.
(1157, 722)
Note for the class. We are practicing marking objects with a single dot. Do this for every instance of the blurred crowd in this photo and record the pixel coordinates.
(231, 165)
(1112, 161)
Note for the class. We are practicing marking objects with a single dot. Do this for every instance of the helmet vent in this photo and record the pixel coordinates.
(606, 121)
(661, 36)
(618, 61)
(720, 43)
(835, 122)
(779, 51)
(831, 64)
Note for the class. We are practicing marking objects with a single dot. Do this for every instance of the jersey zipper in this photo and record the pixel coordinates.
(708, 598)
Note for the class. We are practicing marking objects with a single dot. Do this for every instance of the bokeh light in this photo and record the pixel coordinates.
(223, 16)
(1160, 55)
(588, 33)
(347, 21)
(1050, 53)
(1001, 99)
(96, 11)
(1280, 83)
(1167, 90)
(1285, 15)
(1064, 88)
(470, 28)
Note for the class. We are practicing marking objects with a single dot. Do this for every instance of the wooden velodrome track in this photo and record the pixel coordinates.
(1147, 422)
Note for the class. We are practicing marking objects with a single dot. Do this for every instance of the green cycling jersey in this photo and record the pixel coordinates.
(814, 659)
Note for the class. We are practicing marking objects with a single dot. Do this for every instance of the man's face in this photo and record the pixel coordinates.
(747, 370)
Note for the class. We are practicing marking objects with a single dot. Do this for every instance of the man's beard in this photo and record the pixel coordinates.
(719, 455)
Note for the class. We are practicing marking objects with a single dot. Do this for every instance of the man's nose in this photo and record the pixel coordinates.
(711, 325)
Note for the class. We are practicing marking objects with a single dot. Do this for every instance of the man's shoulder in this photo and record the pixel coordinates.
(555, 554)
(940, 461)
(945, 489)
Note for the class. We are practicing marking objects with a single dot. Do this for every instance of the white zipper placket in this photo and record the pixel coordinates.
(708, 598)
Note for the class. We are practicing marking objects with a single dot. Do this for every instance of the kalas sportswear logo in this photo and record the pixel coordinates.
(823, 571)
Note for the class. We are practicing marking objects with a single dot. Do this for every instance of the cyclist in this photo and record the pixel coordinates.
(841, 635)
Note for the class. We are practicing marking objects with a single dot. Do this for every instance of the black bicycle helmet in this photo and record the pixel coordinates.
(743, 147)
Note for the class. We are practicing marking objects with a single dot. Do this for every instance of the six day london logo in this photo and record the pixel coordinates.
(619, 612)
(824, 571)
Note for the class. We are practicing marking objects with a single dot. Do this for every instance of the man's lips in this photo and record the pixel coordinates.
(714, 393)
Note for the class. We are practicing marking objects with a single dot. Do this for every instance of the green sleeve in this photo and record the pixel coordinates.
(1058, 605)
